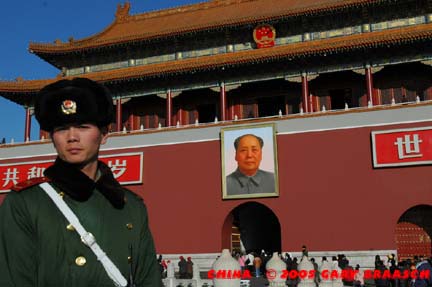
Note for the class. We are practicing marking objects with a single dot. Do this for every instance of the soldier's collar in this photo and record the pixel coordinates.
(79, 186)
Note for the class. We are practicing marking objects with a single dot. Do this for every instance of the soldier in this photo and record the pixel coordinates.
(109, 242)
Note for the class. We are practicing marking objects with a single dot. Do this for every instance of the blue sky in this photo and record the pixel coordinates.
(25, 21)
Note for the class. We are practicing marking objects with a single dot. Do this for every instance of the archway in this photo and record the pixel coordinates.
(414, 231)
(255, 225)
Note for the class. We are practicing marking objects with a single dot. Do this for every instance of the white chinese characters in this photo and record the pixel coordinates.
(407, 147)
(35, 171)
(118, 169)
(11, 176)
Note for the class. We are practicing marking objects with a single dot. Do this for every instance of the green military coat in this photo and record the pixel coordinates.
(38, 247)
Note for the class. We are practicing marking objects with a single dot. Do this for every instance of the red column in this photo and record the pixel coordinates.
(222, 102)
(305, 93)
(27, 125)
(369, 84)
(179, 115)
(169, 109)
(231, 110)
(131, 122)
(118, 115)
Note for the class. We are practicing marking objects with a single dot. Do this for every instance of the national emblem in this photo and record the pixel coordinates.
(68, 107)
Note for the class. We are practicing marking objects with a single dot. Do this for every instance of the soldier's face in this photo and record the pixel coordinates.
(78, 144)
(248, 155)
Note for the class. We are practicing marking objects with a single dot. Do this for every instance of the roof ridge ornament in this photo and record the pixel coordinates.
(122, 11)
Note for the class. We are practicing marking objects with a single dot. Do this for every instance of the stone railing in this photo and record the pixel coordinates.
(5, 142)
(203, 263)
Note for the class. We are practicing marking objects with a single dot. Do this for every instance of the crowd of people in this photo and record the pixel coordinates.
(185, 267)
(418, 263)
(255, 263)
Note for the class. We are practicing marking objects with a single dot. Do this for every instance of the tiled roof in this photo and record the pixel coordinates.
(191, 18)
(318, 47)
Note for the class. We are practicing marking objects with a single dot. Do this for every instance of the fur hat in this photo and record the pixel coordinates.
(75, 101)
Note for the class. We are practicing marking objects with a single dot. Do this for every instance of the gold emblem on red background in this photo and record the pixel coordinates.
(68, 107)
(264, 36)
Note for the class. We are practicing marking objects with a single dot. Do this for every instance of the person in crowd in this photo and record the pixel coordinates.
(241, 259)
(358, 277)
(250, 261)
(189, 268)
(287, 259)
(342, 261)
(423, 281)
(392, 267)
(265, 257)
(379, 281)
(348, 280)
(161, 268)
(294, 266)
(257, 263)
(163, 265)
(305, 251)
(182, 268)
(377, 261)
(317, 276)
(403, 266)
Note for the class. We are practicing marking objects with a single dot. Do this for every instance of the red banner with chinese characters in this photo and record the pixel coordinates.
(127, 169)
(402, 147)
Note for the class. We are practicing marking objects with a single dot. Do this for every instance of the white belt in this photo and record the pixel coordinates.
(86, 237)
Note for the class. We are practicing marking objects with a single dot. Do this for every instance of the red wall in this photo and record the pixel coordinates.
(330, 196)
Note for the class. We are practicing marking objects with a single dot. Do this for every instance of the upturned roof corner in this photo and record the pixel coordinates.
(122, 12)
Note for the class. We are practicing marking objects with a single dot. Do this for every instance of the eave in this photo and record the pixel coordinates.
(317, 48)
(194, 18)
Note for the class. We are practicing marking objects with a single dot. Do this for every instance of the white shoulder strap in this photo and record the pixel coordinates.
(86, 237)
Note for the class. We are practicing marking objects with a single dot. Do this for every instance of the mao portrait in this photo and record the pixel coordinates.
(249, 162)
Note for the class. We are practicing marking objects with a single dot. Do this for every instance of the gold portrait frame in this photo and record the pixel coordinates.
(268, 163)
